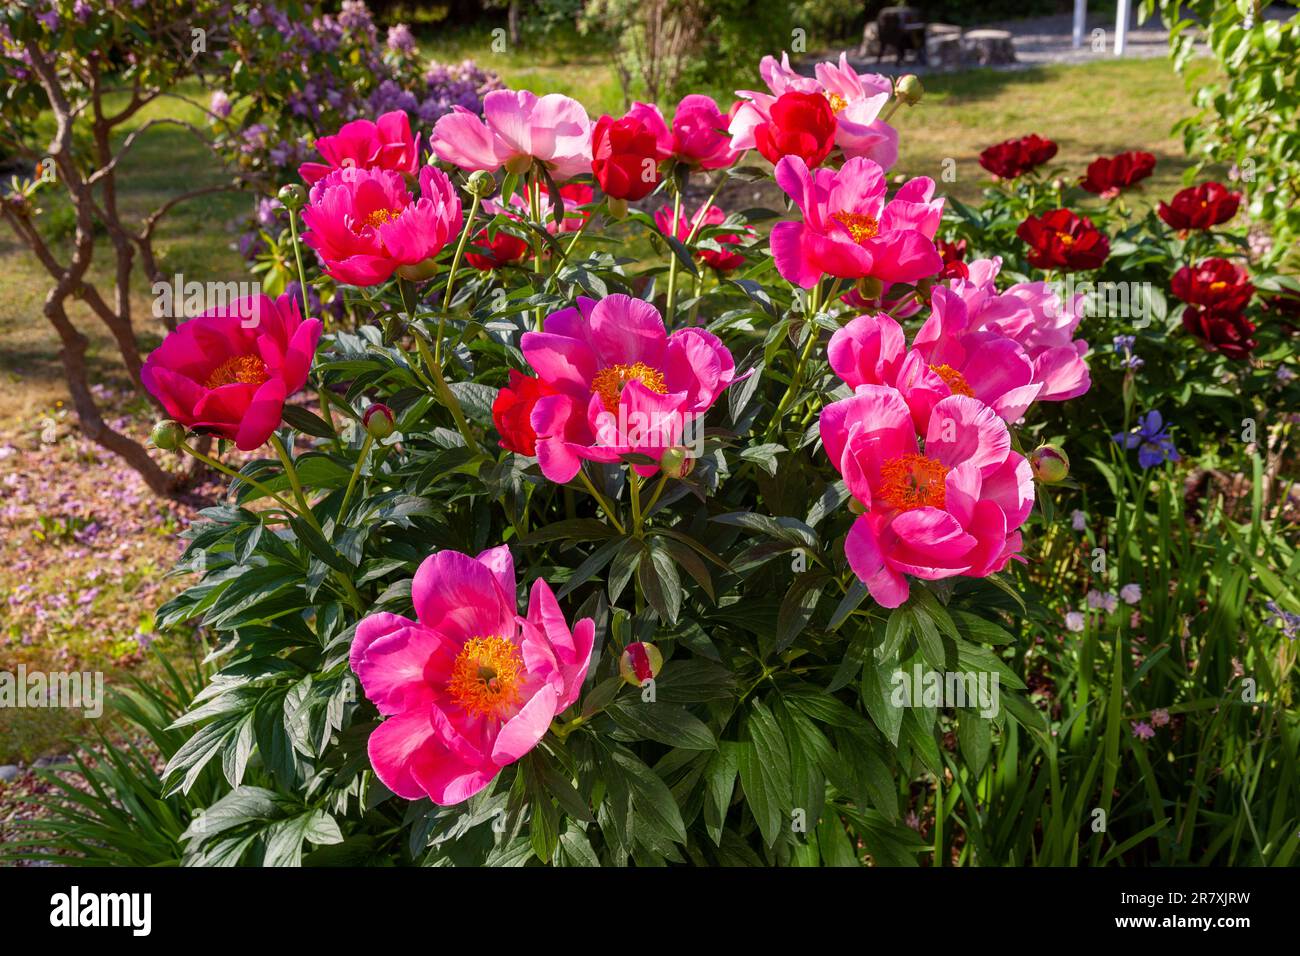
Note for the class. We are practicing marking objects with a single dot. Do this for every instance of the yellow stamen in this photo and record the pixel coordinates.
(1218, 286)
(860, 226)
(243, 369)
(954, 379)
(380, 216)
(486, 675)
(608, 382)
(913, 481)
(837, 102)
(1067, 240)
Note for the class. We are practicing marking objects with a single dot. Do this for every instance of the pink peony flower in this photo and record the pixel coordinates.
(517, 128)
(1036, 316)
(850, 231)
(469, 686)
(229, 370)
(385, 144)
(949, 509)
(699, 133)
(625, 385)
(856, 101)
(365, 226)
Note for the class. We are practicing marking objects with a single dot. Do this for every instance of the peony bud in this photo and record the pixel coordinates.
(1049, 464)
(857, 507)
(481, 184)
(167, 435)
(677, 462)
(870, 288)
(419, 271)
(617, 208)
(639, 663)
(292, 196)
(379, 420)
(909, 89)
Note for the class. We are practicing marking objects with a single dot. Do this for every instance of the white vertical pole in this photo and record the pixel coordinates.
(1080, 21)
(1121, 26)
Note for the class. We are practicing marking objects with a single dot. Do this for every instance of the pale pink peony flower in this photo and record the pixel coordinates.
(517, 129)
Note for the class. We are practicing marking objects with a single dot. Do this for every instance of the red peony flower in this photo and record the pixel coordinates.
(1061, 240)
(1214, 283)
(801, 124)
(1220, 330)
(1015, 157)
(502, 249)
(513, 409)
(626, 152)
(1200, 207)
(1108, 175)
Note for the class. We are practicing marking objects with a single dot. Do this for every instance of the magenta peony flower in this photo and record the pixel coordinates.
(949, 509)
(470, 685)
(228, 371)
(1035, 315)
(625, 385)
(856, 102)
(365, 226)
(386, 144)
(517, 128)
(699, 135)
(850, 231)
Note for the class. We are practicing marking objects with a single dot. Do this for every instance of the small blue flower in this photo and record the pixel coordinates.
(1151, 439)
(1288, 622)
(1124, 349)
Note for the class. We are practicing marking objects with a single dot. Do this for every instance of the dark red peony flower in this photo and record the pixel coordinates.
(512, 412)
(1061, 240)
(1200, 207)
(1225, 331)
(1015, 157)
(1108, 175)
(502, 249)
(625, 157)
(801, 124)
(1214, 283)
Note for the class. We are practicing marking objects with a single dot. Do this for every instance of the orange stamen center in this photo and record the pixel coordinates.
(860, 226)
(380, 216)
(608, 383)
(1067, 240)
(1218, 286)
(486, 676)
(837, 102)
(954, 379)
(912, 481)
(242, 369)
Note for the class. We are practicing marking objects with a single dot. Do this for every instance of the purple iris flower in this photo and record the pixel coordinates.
(1151, 439)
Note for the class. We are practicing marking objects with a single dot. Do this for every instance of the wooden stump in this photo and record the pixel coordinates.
(989, 47)
(944, 46)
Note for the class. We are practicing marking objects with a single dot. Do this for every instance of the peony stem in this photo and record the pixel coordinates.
(287, 460)
(671, 303)
(356, 473)
(451, 276)
(604, 504)
(226, 470)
